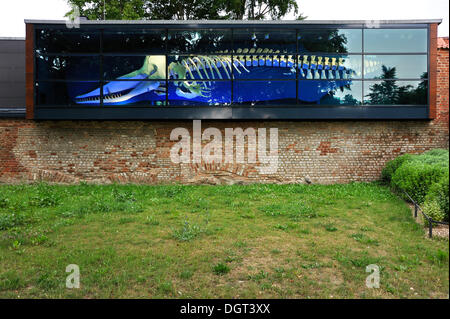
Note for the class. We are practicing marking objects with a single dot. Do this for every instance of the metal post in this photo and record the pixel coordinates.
(430, 228)
(415, 210)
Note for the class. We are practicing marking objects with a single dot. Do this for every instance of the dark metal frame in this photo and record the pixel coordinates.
(233, 111)
(430, 220)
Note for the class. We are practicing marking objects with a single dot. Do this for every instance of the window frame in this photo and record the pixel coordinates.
(234, 111)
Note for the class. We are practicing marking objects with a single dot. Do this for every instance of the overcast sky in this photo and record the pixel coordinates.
(13, 12)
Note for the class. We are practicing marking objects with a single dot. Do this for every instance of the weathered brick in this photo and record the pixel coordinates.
(139, 151)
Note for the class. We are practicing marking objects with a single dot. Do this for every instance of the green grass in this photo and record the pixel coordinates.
(255, 241)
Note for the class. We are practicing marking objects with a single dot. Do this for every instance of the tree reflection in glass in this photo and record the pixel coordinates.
(388, 91)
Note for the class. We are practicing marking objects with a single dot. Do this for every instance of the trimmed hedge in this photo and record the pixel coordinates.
(439, 195)
(416, 179)
(424, 177)
(392, 166)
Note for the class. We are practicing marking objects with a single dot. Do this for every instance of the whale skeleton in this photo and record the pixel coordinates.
(193, 75)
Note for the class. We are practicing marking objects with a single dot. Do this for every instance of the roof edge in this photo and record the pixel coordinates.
(12, 112)
(12, 38)
(368, 22)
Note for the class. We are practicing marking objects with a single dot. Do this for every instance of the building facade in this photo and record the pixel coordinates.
(103, 99)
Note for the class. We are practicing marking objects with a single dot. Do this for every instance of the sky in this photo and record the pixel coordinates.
(13, 12)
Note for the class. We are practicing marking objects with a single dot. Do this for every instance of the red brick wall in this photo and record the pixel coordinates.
(324, 152)
(138, 151)
(442, 86)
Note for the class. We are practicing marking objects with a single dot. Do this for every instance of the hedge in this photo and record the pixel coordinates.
(424, 177)
(438, 194)
(392, 166)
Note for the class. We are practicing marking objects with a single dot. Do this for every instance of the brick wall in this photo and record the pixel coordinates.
(138, 151)
(442, 85)
(324, 152)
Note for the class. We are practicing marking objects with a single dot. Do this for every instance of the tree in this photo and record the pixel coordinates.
(385, 92)
(260, 9)
(110, 9)
(389, 92)
(185, 9)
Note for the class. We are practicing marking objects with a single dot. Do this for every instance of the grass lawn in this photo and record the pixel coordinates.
(257, 241)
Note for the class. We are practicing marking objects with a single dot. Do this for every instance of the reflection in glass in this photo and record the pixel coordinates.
(199, 40)
(67, 40)
(199, 92)
(395, 40)
(264, 92)
(330, 92)
(64, 93)
(390, 92)
(330, 40)
(151, 67)
(338, 67)
(67, 67)
(134, 41)
(405, 66)
(270, 41)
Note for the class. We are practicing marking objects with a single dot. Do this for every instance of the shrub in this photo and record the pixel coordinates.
(416, 178)
(432, 209)
(439, 195)
(392, 166)
(434, 157)
(425, 178)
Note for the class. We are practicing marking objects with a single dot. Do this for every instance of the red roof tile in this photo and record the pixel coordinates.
(442, 43)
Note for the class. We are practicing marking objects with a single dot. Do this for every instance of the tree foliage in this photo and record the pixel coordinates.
(389, 92)
(185, 9)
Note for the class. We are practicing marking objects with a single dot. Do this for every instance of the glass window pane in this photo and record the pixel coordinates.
(261, 66)
(199, 41)
(395, 66)
(65, 93)
(269, 40)
(134, 40)
(395, 40)
(330, 40)
(330, 67)
(199, 92)
(264, 92)
(67, 67)
(126, 93)
(134, 67)
(330, 92)
(396, 92)
(67, 40)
